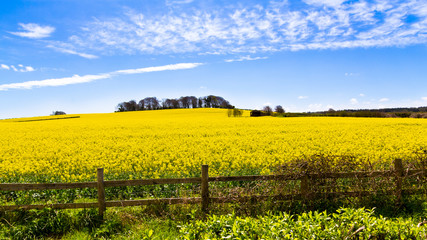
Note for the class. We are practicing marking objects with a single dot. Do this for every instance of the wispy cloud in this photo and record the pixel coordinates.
(351, 74)
(19, 68)
(72, 52)
(354, 101)
(332, 3)
(89, 78)
(302, 97)
(325, 24)
(54, 82)
(245, 58)
(424, 98)
(384, 100)
(173, 2)
(315, 107)
(178, 66)
(33, 30)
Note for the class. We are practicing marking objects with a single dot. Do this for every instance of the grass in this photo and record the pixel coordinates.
(343, 223)
(261, 220)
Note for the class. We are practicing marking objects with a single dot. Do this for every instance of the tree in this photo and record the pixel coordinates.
(200, 102)
(133, 106)
(142, 105)
(151, 103)
(183, 102)
(166, 103)
(237, 112)
(256, 113)
(207, 102)
(268, 111)
(193, 100)
(175, 103)
(58, 113)
(130, 106)
(279, 109)
(234, 112)
(121, 107)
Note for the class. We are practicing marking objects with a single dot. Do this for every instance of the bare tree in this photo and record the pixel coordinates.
(142, 105)
(279, 109)
(185, 101)
(175, 103)
(166, 103)
(193, 101)
(151, 103)
(268, 111)
(200, 102)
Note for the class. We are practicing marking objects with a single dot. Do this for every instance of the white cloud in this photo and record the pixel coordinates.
(89, 78)
(302, 97)
(362, 94)
(384, 100)
(351, 74)
(324, 24)
(424, 98)
(245, 58)
(354, 101)
(173, 2)
(20, 68)
(28, 69)
(72, 52)
(33, 30)
(158, 69)
(4, 66)
(267, 104)
(315, 107)
(54, 82)
(332, 3)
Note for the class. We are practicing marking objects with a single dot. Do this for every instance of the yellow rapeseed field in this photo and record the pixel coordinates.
(174, 143)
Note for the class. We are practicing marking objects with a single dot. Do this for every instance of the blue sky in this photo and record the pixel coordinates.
(83, 56)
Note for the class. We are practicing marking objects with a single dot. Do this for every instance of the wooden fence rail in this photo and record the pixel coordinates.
(398, 174)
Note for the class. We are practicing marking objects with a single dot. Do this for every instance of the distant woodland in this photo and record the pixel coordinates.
(152, 103)
(418, 112)
(211, 101)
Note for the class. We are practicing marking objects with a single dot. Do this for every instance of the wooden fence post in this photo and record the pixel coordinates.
(101, 191)
(304, 184)
(398, 168)
(205, 189)
(304, 187)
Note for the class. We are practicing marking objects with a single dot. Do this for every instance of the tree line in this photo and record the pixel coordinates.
(268, 111)
(419, 112)
(152, 103)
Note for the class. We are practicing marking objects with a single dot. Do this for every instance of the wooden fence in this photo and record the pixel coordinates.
(398, 173)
